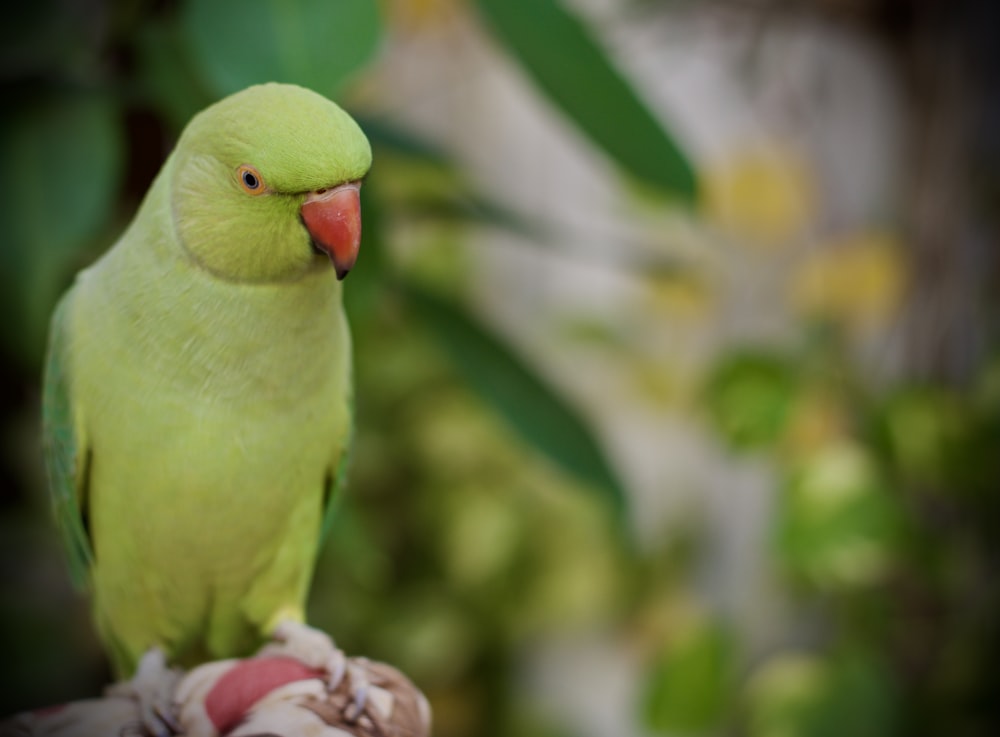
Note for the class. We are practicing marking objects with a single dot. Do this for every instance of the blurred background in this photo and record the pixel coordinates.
(677, 368)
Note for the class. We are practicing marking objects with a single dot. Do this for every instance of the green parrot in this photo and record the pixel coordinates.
(197, 402)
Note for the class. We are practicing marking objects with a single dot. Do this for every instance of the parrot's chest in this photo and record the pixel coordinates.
(223, 481)
(251, 437)
(211, 458)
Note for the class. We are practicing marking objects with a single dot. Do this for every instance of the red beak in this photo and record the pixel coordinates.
(333, 219)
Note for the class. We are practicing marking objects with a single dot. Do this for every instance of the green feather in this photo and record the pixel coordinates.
(336, 484)
(65, 459)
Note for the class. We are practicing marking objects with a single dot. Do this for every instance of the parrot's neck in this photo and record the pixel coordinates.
(233, 340)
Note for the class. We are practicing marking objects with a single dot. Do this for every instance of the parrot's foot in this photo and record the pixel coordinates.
(315, 649)
(153, 688)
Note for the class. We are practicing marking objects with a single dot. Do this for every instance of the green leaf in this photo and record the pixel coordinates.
(60, 169)
(61, 160)
(313, 43)
(169, 77)
(691, 687)
(559, 53)
(930, 436)
(838, 524)
(749, 396)
(809, 696)
(531, 407)
(469, 208)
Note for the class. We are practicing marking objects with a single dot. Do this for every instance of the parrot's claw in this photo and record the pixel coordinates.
(335, 669)
(153, 687)
(315, 648)
(359, 693)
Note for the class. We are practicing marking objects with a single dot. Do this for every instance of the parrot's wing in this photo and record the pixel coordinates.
(335, 483)
(66, 455)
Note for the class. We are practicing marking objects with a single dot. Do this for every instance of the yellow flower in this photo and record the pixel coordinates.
(765, 196)
(859, 280)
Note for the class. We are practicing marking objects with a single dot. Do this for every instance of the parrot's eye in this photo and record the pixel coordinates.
(250, 180)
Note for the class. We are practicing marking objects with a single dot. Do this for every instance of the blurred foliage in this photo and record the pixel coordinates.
(691, 687)
(313, 43)
(55, 195)
(821, 697)
(483, 515)
(749, 395)
(517, 393)
(888, 517)
(558, 51)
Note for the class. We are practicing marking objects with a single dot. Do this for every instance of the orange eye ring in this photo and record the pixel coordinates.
(250, 180)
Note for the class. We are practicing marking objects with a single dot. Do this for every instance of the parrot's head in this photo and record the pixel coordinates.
(265, 185)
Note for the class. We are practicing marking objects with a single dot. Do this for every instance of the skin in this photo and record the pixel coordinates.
(197, 391)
